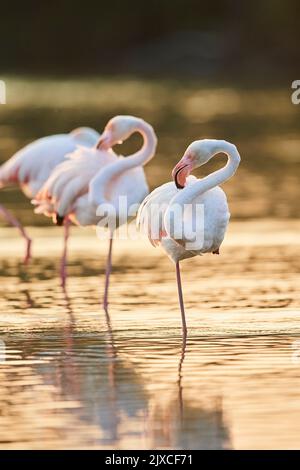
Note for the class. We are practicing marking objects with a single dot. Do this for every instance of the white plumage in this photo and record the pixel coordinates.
(216, 218)
(95, 178)
(31, 166)
(70, 179)
(197, 207)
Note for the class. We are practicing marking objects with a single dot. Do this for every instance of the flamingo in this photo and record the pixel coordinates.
(92, 178)
(159, 218)
(31, 166)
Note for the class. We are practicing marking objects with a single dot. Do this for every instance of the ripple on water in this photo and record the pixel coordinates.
(126, 381)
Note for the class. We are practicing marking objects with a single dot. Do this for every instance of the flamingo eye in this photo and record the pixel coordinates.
(110, 127)
(191, 157)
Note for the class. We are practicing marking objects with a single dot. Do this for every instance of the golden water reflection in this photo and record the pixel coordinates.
(75, 377)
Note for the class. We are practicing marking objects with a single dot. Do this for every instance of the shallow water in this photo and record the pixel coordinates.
(262, 122)
(74, 377)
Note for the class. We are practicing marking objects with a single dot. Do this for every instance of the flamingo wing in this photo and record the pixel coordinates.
(32, 165)
(150, 218)
(70, 180)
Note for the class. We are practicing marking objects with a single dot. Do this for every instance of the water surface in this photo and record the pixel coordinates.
(75, 377)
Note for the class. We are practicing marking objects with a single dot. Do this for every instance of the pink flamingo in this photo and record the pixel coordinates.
(169, 214)
(93, 178)
(31, 166)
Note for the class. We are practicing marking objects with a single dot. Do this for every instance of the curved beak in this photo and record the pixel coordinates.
(181, 171)
(105, 141)
(58, 220)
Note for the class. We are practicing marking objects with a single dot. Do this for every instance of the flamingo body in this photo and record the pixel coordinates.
(216, 218)
(31, 166)
(94, 178)
(85, 207)
(160, 218)
(70, 180)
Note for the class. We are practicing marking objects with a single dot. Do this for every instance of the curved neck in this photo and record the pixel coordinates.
(101, 180)
(186, 195)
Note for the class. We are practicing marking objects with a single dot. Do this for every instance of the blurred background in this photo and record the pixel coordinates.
(193, 69)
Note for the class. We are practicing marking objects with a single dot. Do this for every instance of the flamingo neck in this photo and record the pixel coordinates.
(188, 194)
(100, 182)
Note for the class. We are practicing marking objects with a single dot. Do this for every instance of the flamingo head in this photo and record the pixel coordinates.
(85, 136)
(118, 129)
(198, 153)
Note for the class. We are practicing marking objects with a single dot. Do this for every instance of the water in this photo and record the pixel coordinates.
(75, 377)
(262, 122)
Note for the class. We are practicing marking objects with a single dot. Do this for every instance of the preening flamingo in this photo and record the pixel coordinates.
(96, 177)
(31, 166)
(160, 218)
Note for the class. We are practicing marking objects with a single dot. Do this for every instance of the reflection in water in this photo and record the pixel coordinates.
(79, 377)
(181, 359)
(61, 378)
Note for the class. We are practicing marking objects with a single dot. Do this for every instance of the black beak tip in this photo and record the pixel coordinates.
(59, 220)
(178, 185)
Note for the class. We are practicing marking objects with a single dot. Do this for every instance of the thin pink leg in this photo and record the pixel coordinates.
(63, 263)
(107, 273)
(15, 223)
(180, 296)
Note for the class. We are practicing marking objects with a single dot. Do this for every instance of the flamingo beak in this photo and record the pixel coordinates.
(59, 220)
(105, 141)
(181, 171)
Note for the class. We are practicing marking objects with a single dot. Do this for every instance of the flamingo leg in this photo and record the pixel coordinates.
(180, 297)
(107, 273)
(15, 223)
(63, 262)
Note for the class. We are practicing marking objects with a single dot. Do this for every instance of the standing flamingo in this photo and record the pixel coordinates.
(31, 166)
(96, 177)
(159, 216)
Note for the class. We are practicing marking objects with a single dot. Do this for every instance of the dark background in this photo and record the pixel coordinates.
(216, 39)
